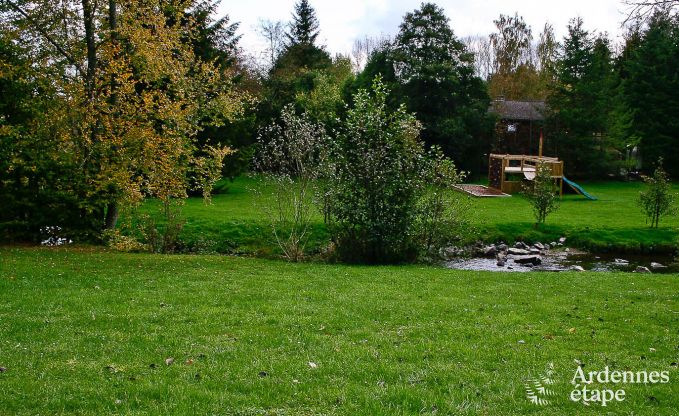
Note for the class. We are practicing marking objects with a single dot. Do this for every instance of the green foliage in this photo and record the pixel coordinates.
(324, 101)
(580, 105)
(377, 178)
(442, 217)
(433, 75)
(39, 183)
(542, 193)
(304, 26)
(114, 115)
(650, 91)
(657, 200)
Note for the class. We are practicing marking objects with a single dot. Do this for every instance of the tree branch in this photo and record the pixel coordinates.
(642, 9)
(47, 36)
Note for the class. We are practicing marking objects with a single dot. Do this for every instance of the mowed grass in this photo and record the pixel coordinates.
(84, 331)
(235, 223)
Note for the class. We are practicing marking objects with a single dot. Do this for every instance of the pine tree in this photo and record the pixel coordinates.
(580, 102)
(304, 26)
(651, 90)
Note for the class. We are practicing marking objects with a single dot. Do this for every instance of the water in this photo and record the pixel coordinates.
(558, 261)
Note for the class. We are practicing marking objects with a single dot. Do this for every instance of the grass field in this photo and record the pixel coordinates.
(614, 223)
(88, 332)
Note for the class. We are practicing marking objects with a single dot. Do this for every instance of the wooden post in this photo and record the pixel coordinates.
(540, 149)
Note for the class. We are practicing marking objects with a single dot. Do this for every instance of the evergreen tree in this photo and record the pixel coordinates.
(580, 103)
(651, 90)
(304, 26)
(435, 78)
(297, 68)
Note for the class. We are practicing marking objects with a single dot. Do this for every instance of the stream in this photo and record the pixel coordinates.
(559, 261)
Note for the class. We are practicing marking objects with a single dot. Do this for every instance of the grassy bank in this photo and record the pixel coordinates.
(614, 223)
(89, 332)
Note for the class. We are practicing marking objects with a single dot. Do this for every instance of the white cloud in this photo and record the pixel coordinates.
(343, 21)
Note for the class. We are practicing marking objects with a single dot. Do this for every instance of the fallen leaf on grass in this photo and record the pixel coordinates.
(169, 361)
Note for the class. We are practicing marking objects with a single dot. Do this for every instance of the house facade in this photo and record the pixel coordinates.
(517, 130)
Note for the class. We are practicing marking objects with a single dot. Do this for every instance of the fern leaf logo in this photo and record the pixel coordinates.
(537, 389)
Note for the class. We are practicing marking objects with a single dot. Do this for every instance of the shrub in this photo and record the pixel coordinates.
(377, 202)
(290, 161)
(542, 193)
(442, 215)
(657, 200)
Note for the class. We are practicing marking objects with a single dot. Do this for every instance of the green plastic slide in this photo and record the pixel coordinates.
(579, 189)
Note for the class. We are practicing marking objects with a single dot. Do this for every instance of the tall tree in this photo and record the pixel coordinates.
(437, 81)
(298, 65)
(547, 53)
(273, 32)
(580, 103)
(128, 111)
(303, 28)
(515, 75)
(511, 43)
(651, 90)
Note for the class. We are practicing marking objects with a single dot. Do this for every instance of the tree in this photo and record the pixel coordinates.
(273, 32)
(547, 53)
(435, 79)
(511, 43)
(657, 200)
(364, 48)
(214, 40)
(324, 102)
(128, 111)
(484, 58)
(643, 10)
(303, 29)
(580, 103)
(542, 193)
(297, 66)
(650, 90)
(515, 73)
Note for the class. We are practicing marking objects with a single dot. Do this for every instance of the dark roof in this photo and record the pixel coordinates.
(518, 110)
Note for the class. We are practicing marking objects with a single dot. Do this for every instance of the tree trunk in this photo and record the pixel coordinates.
(112, 213)
(90, 40)
(112, 210)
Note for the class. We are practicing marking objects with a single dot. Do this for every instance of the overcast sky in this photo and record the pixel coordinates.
(343, 21)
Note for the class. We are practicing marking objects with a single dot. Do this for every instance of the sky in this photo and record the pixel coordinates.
(343, 21)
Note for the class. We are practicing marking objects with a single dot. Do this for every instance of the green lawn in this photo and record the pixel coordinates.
(87, 332)
(233, 223)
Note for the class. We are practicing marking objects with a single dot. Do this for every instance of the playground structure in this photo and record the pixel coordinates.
(506, 172)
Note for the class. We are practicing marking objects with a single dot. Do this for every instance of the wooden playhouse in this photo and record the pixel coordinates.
(506, 172)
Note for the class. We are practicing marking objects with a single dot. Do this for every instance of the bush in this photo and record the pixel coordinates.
(542, 193)
(290, 161)
(657, 200)
(380, 200)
